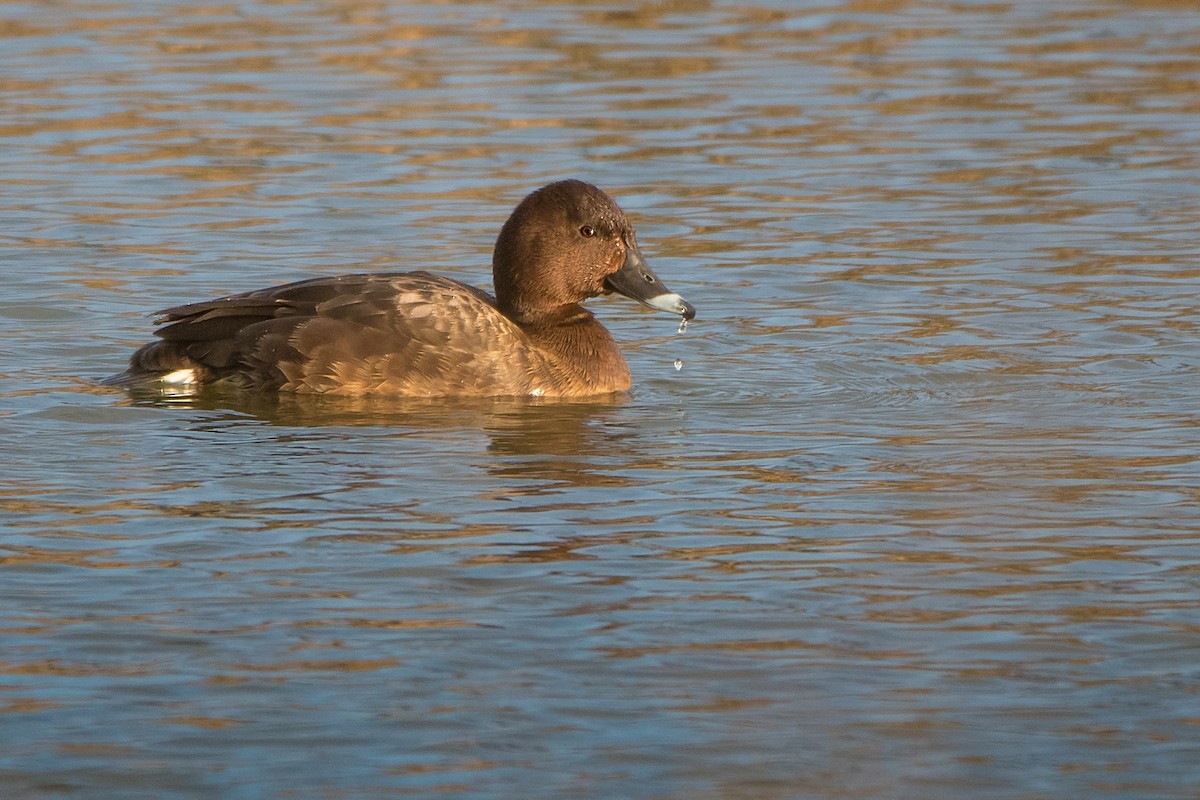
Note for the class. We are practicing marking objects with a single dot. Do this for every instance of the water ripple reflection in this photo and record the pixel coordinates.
(915, 518)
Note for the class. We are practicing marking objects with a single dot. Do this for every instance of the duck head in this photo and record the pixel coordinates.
(566, 242)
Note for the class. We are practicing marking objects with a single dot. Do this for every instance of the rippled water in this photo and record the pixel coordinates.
(916, 517)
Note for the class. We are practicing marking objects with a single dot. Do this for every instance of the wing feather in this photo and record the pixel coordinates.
(404, 333)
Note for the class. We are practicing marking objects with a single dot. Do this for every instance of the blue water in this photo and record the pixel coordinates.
(915, 518)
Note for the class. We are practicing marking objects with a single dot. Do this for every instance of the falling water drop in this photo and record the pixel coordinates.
(678, 364)
(682, 328)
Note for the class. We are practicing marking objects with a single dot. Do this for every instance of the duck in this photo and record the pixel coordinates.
(418, 334)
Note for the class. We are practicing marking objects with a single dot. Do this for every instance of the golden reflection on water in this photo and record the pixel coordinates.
(916, 518)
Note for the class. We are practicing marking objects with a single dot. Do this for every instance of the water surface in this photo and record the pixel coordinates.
(916, 517)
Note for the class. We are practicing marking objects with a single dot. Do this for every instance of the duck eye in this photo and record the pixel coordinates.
(588, 231)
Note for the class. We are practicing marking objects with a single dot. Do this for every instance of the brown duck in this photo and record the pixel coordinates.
(422, 335)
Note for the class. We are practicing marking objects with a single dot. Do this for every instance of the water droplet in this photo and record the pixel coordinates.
(682, 328)
(678, 364)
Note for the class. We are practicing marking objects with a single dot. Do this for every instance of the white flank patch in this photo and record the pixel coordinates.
(180, 377)
(180, 383)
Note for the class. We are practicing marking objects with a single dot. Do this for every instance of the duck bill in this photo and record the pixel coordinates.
(638, 282)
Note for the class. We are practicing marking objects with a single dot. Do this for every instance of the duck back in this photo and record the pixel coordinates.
(413, 334)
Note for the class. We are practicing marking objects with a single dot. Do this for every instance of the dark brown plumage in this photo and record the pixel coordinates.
(423, 335)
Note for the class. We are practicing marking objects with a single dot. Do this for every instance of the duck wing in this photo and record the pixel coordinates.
(411, 333)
